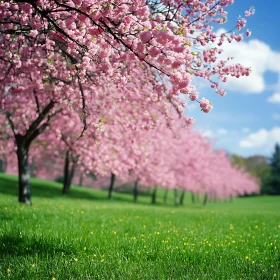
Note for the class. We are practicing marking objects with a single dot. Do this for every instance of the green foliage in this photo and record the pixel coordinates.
(258, 166)
(238, 161)
(85, 236)
(274, 180)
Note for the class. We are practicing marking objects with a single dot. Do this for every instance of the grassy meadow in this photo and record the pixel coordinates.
(85, 236)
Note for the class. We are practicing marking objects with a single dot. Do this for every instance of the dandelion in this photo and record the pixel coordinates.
(33, 265)
(75, 259)
(85, 248)
(8, 270)
(53, 278)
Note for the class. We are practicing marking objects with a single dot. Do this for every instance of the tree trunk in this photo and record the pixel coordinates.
(205, 199)
(135, 191)
(193, 197)
(69, 171)
(154, 195)
(66, 177)
(182, 197)
(165, 196)
(111, 186)
(23, 174)
(71, 175)
(3, 165)
(23, 143)
(176, 200)
(81, 180)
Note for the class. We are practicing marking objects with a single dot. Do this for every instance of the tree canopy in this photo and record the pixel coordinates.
(68, 67)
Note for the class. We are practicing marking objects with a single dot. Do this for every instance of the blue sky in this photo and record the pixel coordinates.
(247, 120)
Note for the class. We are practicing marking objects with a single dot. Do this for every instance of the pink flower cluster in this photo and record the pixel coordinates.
(205, 105)
(108, 69)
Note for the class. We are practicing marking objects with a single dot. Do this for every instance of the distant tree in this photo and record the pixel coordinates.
(239, 161)
(3, 165)
(258, 166)
(111, 187)
(274, 181)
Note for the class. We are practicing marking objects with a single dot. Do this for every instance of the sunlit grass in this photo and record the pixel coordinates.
(85, 236)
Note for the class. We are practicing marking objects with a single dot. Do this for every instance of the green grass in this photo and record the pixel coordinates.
(85, 236)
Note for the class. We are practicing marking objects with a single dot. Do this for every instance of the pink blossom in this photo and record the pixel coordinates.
(193, 96)
(248, 32)
(154, 51)
(205, 105)
(145, 36)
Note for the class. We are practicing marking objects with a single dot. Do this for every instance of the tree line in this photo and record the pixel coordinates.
(266, 169)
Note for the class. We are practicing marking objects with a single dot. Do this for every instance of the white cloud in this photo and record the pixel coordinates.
(245, 130)
(192, 106)
(208, 133)
(257, 55)
(222, 131)
(263, 138)
(275, 98)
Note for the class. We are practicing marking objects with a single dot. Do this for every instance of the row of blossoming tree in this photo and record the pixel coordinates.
(171, 156)
(100, 81)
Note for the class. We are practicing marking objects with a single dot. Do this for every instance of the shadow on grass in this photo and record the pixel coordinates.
(49, 189)
(53, 190)
(16, 246)
(9, 185)
(46, 189)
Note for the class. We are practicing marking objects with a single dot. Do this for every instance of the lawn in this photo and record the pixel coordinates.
(85, 236)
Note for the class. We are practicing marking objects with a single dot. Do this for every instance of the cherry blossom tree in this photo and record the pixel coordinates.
(53, 52)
